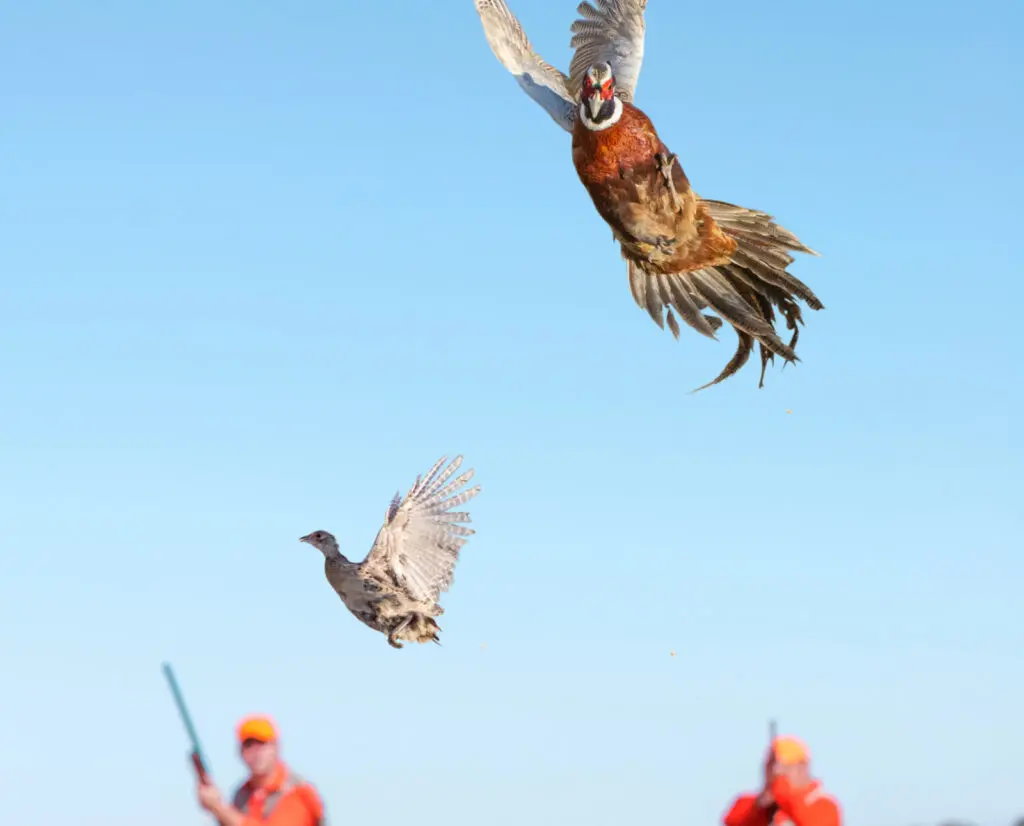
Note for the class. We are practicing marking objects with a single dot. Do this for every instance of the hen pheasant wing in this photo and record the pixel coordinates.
(541, 81)
(419, 543)
(608, 31)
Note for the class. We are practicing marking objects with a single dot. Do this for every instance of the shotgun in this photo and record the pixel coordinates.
(179, 701)
(773, 732)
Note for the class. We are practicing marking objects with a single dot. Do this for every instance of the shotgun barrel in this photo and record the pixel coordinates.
(186, 719)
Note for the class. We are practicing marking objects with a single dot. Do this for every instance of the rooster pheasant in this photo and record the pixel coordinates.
(396, 588)
(684, 254)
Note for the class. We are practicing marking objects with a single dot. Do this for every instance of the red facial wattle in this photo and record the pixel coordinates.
(606, 91)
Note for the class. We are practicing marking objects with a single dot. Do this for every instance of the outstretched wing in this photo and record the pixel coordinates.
(542, 82)
(419, 543)
(608, 31)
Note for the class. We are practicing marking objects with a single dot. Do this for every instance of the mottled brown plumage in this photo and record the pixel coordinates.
(395, 590)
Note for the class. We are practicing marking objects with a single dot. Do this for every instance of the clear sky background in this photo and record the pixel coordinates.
(263, 263)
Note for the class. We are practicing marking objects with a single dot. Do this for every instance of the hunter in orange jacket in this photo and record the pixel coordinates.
(789, 794)
(273, 795)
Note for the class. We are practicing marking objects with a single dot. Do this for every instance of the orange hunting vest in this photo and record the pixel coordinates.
(260, 802)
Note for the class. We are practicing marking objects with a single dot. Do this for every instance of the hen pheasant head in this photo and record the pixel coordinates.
(599, 106)
(323, 542)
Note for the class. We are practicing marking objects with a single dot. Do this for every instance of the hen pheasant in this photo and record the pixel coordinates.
(684, 254)
(396, 588)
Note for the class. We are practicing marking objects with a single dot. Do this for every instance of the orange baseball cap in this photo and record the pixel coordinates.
(791, 750)
(257, 728)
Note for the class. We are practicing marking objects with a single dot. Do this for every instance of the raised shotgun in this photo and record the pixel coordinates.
(773, 731)
(179, 701)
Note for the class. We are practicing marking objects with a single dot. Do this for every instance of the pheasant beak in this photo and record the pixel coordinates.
(594, 104)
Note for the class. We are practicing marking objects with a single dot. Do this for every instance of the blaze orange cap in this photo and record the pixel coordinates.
(257, 728)
(791, 750)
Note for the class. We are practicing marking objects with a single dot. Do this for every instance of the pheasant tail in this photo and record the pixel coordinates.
(746, 291)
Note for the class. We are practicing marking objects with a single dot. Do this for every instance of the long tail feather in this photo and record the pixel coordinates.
(746, 291)
(743, 350)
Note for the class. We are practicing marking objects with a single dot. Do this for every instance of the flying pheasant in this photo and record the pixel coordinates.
(683, 253)
(396, 588)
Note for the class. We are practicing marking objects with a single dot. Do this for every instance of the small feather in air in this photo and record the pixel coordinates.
(790, 412)
(671, 653)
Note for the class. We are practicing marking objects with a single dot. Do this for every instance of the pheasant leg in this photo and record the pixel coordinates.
(398, 629)
(652, 245)
(665, 164)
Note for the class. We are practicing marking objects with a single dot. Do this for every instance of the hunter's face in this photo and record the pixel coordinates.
(259, 756)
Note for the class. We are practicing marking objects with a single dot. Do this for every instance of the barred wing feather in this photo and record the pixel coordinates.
(609, 31)
(419, 543)
(541, 81)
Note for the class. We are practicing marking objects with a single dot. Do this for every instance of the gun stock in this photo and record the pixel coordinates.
(197, 762)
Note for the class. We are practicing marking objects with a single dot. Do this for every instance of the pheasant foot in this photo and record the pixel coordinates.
(665, 164)
(656, 244)
(398, 630)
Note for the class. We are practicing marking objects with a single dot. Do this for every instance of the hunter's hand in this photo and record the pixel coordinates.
(209, 797)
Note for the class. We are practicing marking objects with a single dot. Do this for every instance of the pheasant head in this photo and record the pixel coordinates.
(599, 105)
(323, 542)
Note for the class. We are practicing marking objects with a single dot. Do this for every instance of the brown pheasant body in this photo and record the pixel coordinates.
(664, 229)
(377, 601)
(685, 253)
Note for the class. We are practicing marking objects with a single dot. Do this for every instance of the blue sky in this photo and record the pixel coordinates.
(263, 266)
